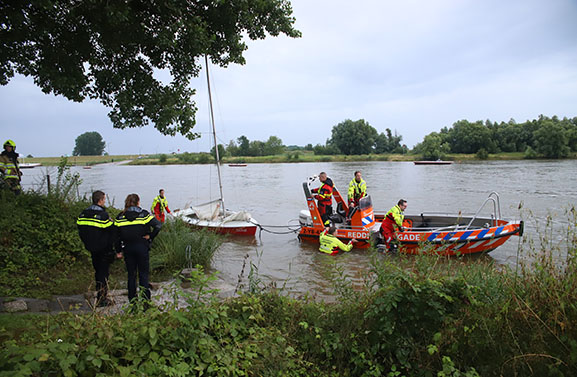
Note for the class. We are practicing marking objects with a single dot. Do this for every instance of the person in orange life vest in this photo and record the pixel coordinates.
(324, 197)
(330, 244)
(159, 204)
(393, 221)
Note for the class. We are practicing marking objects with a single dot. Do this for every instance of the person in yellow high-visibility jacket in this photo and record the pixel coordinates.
(357, 189)
(159, 204)
(330, 244)
(9, 170)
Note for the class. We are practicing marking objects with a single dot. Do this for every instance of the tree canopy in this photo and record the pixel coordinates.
(113, 51)
(89, 144)
(541, 137)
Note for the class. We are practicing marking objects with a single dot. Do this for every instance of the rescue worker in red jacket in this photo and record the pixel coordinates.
(393, 221)
(330, 244)
(324, 197)
(159, 204)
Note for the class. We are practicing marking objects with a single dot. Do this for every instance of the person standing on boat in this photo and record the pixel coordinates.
(357, 190)
(393, 221)
(96, 230)
(324, 197)
(159, 204)
(11, 173)
(330, 244)
(136, 229)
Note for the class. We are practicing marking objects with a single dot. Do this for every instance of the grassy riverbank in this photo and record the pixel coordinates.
(295, 157)
(79, 160)
(290, 157)
(414, 316)
(41, 253)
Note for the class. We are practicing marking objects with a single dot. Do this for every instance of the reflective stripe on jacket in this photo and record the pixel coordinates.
(357, 190)
(325, 193)
(95, 228)
(396, 216)
(8, 168)
(331, 244)
(159, 201)
(133, 224)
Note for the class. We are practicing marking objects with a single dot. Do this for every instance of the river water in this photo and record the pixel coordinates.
(273, 194)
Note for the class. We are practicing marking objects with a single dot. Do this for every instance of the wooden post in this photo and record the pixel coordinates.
(48, 182)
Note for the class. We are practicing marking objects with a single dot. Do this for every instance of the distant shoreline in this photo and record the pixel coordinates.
(290, 157)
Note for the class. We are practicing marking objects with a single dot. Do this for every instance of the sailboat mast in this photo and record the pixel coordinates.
(214, 135)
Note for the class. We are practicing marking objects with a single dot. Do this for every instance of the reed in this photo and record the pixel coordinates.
(177, 247)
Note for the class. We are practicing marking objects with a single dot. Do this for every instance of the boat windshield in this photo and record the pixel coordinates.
(365, 202)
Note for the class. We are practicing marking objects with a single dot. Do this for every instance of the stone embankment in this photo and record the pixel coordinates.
(162, 293)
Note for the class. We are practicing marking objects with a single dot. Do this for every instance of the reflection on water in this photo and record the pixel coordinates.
(274, 196)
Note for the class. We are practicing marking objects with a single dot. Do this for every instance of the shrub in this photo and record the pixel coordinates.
(178, 246)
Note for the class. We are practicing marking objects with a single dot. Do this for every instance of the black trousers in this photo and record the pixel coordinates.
(101, 264)
(137, 260)
(326, 211)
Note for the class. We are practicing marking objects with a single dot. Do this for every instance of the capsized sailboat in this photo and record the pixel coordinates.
(443, 234)
(213, 215)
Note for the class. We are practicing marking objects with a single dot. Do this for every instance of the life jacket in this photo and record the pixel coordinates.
(330, 244)
(161, 202)
(325, 193)
(357, 190)
(395, 216)
(9, 165)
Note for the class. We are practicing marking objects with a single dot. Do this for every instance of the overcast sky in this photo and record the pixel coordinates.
(411, 66)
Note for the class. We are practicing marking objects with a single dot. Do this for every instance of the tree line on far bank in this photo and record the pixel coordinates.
(543, 137)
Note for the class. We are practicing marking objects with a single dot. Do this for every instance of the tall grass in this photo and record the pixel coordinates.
(177, 246)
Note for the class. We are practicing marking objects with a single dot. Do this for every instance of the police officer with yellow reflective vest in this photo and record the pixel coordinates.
(136, 229)
(159, 204)
(9, 169)
(97, 232)
(330, 244)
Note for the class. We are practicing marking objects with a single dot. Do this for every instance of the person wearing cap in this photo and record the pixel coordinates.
(9, 169)
(159, 204)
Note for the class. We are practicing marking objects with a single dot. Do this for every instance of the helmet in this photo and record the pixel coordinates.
(11, 143)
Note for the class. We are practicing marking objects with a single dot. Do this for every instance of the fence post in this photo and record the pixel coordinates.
(48, 182)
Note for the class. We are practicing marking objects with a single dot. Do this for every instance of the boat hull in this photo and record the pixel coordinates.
(455, 241)
(246, 226)
(432, 162)
(241, 228)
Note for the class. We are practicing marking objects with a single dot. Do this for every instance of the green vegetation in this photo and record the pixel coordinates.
(81, 160)
(89, 144)
(177, 247)
(414, 316)
(543, 137)
(41, 253)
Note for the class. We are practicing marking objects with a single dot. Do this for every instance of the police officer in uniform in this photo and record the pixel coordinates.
(96, 231)
(136, 229)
